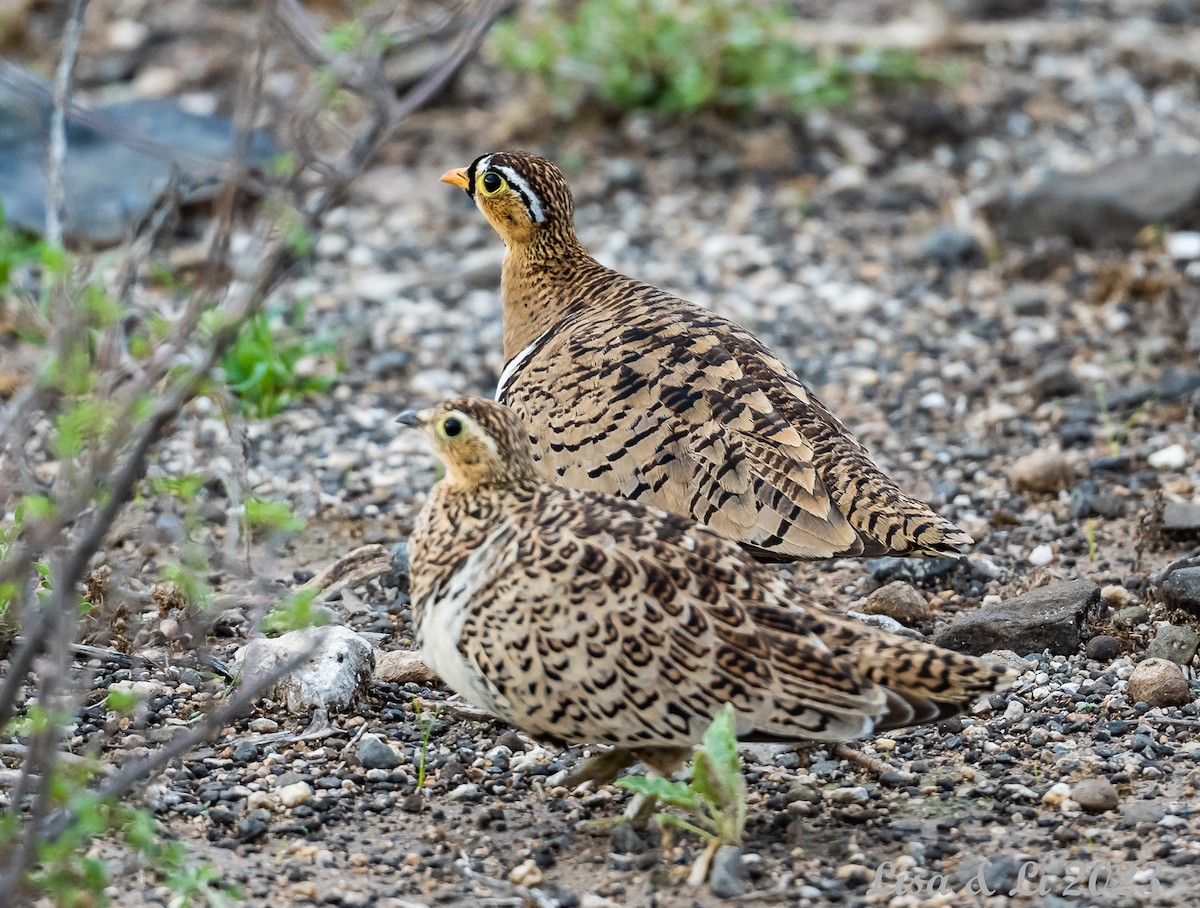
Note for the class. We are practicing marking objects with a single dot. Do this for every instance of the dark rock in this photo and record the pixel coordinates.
(996, 9)
(1108, 206)
(1181, 518)
(1159, 682)
(110, 186)
(375, 753)
(1054, 380)
(251, 829)
(401, 567)
(917, 571)
(624, 840)
(245, 752)
(1088, 499)
(1046, 618)
(1103, 648)
(898, 600)
(1181, 589)
(728, 879)
(1095, 795)
(1026, 300)
(948, 247)
(1176, 644)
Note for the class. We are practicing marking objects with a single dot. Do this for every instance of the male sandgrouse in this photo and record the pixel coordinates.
(629, 390)
(583, 617)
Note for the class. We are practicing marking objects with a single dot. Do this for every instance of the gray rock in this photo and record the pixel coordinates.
(624, 840)
(1174, 643)
(917, 571)
(375, 753)
(1095, 795)
(338, 664)
(245, 752)
(1109, 205)
(1103, 648)
(728, 879)
(1089, 499)
(898, 600)
(400, 567)
(1159, 682)
(948, 247)
(110, 186)
(1181, 589)
(1026, 300)
(1143, 812)
(1054, 380)
(1046, 618)
(1181, 518)
(1131, 616)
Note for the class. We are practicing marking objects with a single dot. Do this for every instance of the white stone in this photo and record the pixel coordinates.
(934, 400)
(1056, 794)
(1173, 458)
(339, 664)
(1184, 245)
(1041, 555)
(295, 794)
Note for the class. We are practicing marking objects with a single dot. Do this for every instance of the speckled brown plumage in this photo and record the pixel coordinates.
(582, 617)
(629, 390)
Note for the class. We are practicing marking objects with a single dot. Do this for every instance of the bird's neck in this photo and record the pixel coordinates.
(535, 286)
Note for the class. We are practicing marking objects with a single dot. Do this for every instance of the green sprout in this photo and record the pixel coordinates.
(713, 799)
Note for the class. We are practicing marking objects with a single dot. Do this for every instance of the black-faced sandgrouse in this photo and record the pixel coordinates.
(629, 390)
(586, 618)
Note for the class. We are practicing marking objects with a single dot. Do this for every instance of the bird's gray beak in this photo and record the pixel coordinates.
(414, 418)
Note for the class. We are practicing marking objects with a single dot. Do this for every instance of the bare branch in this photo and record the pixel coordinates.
(63, 77)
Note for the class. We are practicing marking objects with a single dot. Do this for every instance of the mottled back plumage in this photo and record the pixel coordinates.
(582, 617)
(629, 390)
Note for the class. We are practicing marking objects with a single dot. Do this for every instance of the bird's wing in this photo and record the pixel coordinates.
(629, 626)
(657, 409)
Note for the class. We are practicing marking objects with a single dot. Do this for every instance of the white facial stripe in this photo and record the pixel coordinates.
(482, 167)
(516, 182)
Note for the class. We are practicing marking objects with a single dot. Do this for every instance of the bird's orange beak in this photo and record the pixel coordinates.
(456, 178)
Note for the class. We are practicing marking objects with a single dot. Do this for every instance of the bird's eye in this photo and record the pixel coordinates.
(452, 426)
(491, 183)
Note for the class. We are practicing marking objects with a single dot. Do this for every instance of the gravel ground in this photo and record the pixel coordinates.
(1044, 396)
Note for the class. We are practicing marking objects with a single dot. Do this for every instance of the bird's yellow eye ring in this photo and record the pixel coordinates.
(491, 183)
(451, 427)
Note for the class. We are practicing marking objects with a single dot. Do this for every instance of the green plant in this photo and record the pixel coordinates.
(260, 366)
(713, 798)
(678, 56)
(426, 722)
(294, 613)
(1091, 539)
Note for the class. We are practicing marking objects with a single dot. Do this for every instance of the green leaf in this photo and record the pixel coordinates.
(121, 700)
(677, 794)
(274, 516)
(294, 613)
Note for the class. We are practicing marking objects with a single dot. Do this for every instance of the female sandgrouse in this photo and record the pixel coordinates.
(582, 617)
(629, 390)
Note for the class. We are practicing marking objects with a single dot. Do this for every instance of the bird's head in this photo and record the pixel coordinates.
(480, 442)
(524, 197)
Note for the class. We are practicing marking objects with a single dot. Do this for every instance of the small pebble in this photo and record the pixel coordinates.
(1103, 648)
(1095, 795)
(728, 875)
(1159, 682)
(295, 794)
